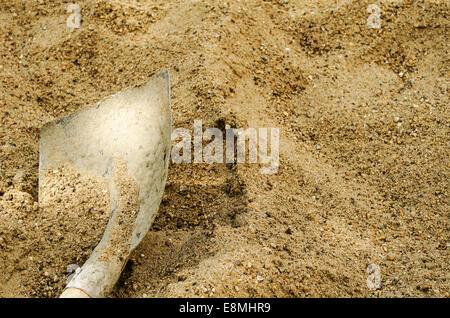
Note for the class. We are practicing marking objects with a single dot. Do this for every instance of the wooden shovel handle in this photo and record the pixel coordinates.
(74, 293)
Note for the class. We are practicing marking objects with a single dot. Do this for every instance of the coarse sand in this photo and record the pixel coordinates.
(364, 146)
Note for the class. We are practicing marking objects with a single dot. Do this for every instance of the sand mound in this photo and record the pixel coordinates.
(40, 241)
(363, 177)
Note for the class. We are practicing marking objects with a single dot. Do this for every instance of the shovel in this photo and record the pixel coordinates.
(125, 140)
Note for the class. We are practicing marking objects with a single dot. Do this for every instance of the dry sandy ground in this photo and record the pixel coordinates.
(364, 144)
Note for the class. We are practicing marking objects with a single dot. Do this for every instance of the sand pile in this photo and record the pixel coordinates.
(363, 117)
(63, 229)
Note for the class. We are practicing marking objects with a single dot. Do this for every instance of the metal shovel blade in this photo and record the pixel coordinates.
(124, 139)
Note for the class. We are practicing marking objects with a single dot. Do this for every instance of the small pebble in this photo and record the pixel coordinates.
(391, 256)
(72, 268)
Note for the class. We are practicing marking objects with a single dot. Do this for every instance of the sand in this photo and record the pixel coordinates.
(364, 144)
(125, 211)
(40, 240)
